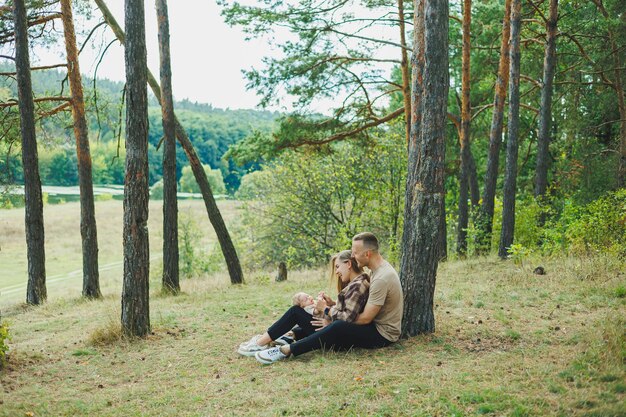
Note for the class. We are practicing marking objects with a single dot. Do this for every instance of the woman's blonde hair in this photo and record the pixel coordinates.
(343, 256)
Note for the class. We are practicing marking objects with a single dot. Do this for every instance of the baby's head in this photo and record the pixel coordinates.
(302, 299)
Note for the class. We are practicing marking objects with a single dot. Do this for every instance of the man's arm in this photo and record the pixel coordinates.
(368, 314)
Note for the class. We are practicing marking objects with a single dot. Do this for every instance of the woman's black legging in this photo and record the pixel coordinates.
(292, 317)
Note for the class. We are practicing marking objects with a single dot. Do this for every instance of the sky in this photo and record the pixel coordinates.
(207, 56)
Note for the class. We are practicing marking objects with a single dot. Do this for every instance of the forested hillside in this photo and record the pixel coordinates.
(211, 130)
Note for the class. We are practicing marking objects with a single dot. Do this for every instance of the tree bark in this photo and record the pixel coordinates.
(88, 230)
(473, 180)
(464, 171)
(171, 282)
(404, 66)
(425, 183)
(485, 220)
(36, 292)
(510, 178)
(545, 113)
(443, 232)
(226, 244)
(282, 272)
(135, 294)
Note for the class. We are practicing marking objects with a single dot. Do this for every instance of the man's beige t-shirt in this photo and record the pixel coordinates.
(386, 291)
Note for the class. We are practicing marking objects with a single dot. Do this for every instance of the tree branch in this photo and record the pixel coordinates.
(344, 135)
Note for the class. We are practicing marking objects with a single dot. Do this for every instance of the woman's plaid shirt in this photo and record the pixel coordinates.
(351, 300)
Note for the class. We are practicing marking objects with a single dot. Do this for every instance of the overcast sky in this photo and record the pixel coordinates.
(207, 55)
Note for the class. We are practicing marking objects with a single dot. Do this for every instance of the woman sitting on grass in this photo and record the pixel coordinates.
(353, 286)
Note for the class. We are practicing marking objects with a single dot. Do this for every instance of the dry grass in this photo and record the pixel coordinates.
(63, 246)
(507, 343)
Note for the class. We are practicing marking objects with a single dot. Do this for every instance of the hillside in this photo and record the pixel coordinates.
(211, 130)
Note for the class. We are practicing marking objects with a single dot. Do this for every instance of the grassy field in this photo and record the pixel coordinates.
(507, 343)
(63, 246)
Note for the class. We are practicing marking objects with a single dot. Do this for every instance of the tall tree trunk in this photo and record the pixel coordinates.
(226, 244)
(510, 178)
(135, 294)
(36, 290)
(545, 112)
(88, 230)
(473, 180)
(170, 205)
(443, 231)
(485, 220)
(425, 182)
(464, 171)
(404, 66)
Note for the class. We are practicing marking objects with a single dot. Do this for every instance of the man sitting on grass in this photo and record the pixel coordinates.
(377, 326)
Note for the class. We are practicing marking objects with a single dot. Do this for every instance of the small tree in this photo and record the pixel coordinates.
(188, 183)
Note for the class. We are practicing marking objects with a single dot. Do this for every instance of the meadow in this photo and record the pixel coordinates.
(507, 342)
(63, 245)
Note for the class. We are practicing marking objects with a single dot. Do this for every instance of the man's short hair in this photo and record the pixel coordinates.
(370, 241)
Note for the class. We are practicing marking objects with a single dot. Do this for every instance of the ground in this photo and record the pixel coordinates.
(507, 342)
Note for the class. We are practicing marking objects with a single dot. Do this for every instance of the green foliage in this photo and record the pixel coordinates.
(188, 238)
(251, 185)
(519, 253)
(188, 182)
(600, 226)
(210, 130)
(4, 338)
(156, 190)
(309, 204)
(195, 260)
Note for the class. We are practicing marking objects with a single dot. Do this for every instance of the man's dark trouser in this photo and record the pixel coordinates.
(341, 335)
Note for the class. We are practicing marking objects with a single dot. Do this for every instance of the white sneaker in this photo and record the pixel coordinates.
(251, 348)
(253, 340)
(269, 356)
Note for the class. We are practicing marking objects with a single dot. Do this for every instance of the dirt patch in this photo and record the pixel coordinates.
(491, 344)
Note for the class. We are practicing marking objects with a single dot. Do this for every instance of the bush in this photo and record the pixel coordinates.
(188, 182)
(251, 184)
(598, 227)
(156, 191)
(195, 260)
(4, 338)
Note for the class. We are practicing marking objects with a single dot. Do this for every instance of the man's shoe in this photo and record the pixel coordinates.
(270, 356)
(284, 340)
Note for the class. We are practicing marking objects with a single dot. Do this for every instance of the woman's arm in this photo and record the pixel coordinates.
(353, 302)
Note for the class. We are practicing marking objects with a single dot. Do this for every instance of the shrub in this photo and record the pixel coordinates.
(188, 182)
(4, 338)
(156, 191)
(599, 226)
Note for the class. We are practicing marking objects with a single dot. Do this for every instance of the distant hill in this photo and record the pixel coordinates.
(211, 130)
